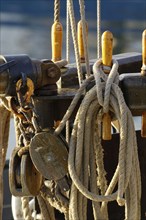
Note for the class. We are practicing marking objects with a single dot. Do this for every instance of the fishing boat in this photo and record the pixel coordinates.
(77, 155)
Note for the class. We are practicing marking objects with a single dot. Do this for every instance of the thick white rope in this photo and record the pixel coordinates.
(84, 144)
(75, 42)
(84, 34)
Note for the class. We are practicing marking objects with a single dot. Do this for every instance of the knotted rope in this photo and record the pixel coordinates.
(85, 163)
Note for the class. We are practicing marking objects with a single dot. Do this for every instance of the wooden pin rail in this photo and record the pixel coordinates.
(107, 50)
(56, 34)
(80, 40)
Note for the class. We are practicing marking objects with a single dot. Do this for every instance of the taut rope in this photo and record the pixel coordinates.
(74, 36)
(56, 10)
(83, 20)
(98, 29)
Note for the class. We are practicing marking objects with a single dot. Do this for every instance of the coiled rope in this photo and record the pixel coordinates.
(85, 163)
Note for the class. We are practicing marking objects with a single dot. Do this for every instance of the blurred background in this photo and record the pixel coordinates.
(25, 29)
(26, 25)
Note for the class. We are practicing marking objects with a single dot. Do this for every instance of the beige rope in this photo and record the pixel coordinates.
(98, 29)
(75, 42)
(67, 131)
(47, 212)
(105, 96)
(84, 34)
(27, 215)
(67, 33)
(56, 10)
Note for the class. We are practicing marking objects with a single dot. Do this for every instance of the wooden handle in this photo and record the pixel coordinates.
(107, 50)
(143, 72)
(57, 33)
(143, 69)
(80, 40)
(106, 127)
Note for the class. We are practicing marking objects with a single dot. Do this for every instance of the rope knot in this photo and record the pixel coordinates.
(104, 82)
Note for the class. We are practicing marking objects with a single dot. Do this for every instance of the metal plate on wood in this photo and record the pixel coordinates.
(49, 155)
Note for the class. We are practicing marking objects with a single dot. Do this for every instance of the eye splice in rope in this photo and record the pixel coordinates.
(85, 162)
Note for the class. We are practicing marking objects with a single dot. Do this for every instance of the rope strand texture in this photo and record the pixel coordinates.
(85, 162)
(56, 10)
(84, 34)
(75, 42)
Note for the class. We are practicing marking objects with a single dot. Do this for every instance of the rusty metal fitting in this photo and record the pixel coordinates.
(41, 73)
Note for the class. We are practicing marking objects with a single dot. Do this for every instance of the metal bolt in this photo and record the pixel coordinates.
(52, 72)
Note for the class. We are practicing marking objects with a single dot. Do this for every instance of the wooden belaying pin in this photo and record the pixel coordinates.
(143, 73)
(56, 35)
(80, 40)
(107, 50)
(143, 69)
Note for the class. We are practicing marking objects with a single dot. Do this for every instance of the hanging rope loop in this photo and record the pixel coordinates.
(103, 93)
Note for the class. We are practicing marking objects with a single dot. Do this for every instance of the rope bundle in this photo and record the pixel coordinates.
(86, 165)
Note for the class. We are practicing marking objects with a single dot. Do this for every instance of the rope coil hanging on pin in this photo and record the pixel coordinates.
(127, 174)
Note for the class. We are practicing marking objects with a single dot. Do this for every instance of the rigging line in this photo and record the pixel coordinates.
(98, 29)
(84, 33)
(56, 10)
(67, 33)
(74, 36)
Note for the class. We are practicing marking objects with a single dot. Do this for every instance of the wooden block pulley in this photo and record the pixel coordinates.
(24, 179)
